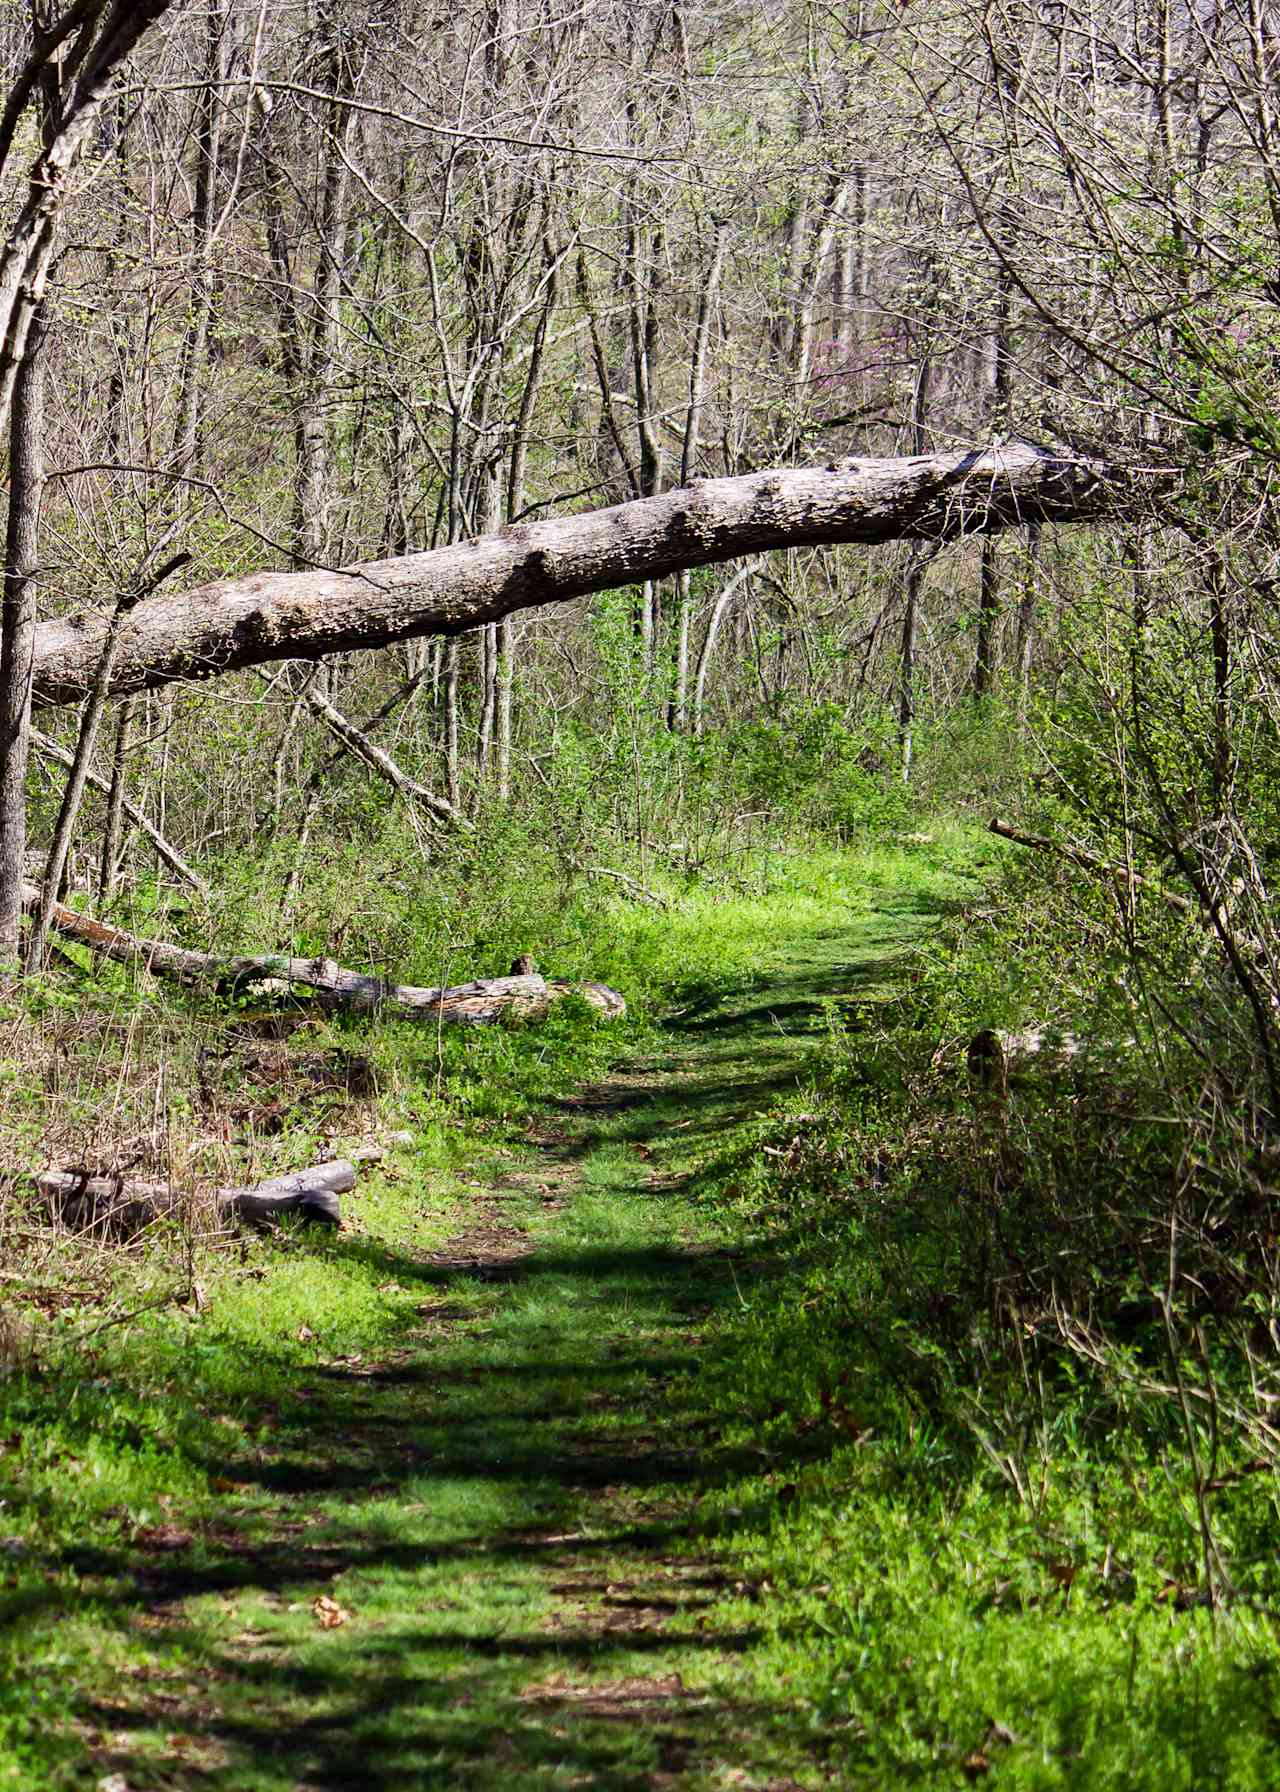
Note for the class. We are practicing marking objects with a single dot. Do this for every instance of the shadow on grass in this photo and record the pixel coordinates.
(438, 1488)
(532, 1421)
(575, 1375)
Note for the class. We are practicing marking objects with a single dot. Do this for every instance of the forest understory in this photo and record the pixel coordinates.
(639, 977)
(690, 1400)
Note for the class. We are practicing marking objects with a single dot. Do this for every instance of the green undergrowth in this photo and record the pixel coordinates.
(762, 1467)
(997, 1544)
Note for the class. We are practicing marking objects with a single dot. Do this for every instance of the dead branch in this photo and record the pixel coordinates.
(640, 891)
(382, 763)
(1078, 855)
(167, 853)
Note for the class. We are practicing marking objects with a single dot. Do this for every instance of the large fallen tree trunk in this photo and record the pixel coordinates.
(109, 1203)
(235, 623)
(526, 996)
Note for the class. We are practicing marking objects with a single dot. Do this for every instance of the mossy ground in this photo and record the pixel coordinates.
(548, 1476)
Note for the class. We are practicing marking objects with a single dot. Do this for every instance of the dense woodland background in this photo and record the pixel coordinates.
(330, 283)
(333, 284)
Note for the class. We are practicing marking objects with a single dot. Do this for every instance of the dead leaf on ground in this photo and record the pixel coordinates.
(163, 1536)
(328, 1614)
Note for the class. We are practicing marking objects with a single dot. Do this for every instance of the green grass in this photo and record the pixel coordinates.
(652, 1503)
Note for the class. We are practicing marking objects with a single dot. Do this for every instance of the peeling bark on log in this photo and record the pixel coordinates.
(235, 623)
(476, 1004)
(112, 1204)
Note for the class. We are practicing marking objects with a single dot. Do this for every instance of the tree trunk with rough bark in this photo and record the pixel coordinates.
(17, 641)
(235, 623)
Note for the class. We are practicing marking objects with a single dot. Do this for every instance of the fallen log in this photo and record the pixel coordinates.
(265, 616)
(994, 1056)
(111, 1204)
(478, 1003)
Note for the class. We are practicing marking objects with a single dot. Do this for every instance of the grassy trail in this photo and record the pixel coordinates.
(476, 1560)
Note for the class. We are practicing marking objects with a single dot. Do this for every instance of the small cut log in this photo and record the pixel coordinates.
(113, 1204)
(994, 1057)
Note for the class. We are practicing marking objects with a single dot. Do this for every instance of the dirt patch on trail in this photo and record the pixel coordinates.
(489, 1244)
(486, 1250)
(663, 1704)
(618, 1698)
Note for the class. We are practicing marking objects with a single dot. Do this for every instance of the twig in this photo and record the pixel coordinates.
(633, 884)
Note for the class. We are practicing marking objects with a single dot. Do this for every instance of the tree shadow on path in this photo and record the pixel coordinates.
(476, 1560)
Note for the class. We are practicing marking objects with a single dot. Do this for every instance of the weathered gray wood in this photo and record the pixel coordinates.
(313, 1193)
(476, 1004)
(381, 762)
(235, 623)
(114, 1204)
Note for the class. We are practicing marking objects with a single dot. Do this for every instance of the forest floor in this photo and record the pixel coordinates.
(476, 1558)
(565, 1484)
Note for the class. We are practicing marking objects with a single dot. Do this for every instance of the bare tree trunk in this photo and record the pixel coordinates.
(515, 500)
(488, 642)
(73, 794)
(907, 664)
(718, 613)
(102, 39)
(453, 761)
(113, 824)
(1221, 649)
(87, 45)
(915, 579)
(1025, 645)
(984, 668)
(505, 648)
(640, 274)
(17, 638)
(833, 208)
(193, 361)
(677, 715)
